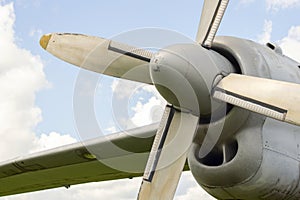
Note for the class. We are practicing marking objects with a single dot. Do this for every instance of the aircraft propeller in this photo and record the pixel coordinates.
(188, 102)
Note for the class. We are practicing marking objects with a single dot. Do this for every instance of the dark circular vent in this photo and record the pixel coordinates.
(221, 154)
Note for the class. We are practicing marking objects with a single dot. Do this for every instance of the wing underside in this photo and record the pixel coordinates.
(77, 163)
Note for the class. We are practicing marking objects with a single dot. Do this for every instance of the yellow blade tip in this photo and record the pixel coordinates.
(45, 40)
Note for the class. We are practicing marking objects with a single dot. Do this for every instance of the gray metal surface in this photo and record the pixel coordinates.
(265, 152)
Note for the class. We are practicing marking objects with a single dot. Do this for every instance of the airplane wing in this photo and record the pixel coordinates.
(95, 160)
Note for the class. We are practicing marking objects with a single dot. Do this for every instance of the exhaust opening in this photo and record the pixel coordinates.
(220, 155)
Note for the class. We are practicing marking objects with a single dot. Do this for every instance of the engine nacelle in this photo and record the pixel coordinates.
(260, 162)
(261, 158)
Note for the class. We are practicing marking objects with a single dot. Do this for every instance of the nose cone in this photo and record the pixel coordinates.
(184, 74)
(45, 40)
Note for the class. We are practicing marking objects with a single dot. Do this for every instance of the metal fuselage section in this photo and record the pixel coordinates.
(256, 157)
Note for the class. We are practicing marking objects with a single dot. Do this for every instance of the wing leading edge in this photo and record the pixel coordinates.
(121, 155)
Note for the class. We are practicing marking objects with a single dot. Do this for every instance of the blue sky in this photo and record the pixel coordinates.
(111, 18)
(51, 97)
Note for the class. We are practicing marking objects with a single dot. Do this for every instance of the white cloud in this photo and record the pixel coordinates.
(149, 112)
(111, 130)
(276, 5)
(291, 43)
(267, 31)
(134, 105)
(119, 190)
(123, 88)
(125, 189)
(50, 141)
(193, 191)
(21, 76)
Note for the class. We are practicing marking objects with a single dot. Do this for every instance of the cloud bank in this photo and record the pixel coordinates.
(291, 43)
(266, 34)
(21, 76)
(276, 5)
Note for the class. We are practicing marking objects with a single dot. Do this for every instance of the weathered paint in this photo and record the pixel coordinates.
(266, 164)
(174, 137)
(243, 90)
(212, 14)
(100, 55)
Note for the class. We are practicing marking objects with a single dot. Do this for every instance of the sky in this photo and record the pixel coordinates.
(37, 90)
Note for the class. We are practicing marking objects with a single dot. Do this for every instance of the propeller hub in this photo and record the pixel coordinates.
(184, 74)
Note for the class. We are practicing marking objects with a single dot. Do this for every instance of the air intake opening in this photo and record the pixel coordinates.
(274, 47)
(271, 46)
(221, 154)
(214, 158)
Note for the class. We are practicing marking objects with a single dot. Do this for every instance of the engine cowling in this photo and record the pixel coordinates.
(184, 74)
(259, 159)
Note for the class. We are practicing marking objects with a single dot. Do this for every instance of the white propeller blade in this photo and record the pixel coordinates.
(211, 17)
(275, 99)
(100, 55)
(168, 155)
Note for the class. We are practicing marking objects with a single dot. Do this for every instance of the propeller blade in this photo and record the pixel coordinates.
(211, 17)
(272, 98)
(168, 155)
(100, 55)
